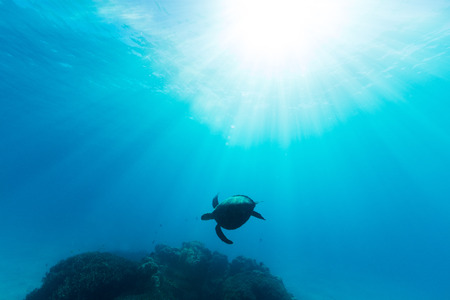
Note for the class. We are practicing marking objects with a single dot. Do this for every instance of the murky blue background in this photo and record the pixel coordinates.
(113, 137)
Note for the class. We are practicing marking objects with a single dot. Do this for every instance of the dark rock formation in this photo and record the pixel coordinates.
(92, 275)
(191, 272)
(254, 285)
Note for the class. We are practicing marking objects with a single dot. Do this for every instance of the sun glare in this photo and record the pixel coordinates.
(284, 30)
(283, 70)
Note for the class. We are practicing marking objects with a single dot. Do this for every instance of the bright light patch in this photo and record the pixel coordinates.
(281, 70)
(280, 30)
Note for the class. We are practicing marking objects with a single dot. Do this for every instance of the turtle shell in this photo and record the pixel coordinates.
(234, 211)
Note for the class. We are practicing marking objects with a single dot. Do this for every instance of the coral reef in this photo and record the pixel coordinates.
(254, 285)
(92, 275)
(191, 272)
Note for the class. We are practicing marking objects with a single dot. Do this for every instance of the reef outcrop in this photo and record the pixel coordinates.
(191, 272)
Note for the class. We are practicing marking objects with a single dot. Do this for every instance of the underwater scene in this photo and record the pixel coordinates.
(225, 149)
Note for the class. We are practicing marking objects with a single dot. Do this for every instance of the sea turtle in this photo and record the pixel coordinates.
(231, 213)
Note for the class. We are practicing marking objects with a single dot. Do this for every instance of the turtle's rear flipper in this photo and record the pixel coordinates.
(221, 235)
(257, 215)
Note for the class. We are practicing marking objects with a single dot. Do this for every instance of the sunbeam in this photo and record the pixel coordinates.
(259, 71)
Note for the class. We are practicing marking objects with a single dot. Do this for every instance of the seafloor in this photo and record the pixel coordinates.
(191, 272)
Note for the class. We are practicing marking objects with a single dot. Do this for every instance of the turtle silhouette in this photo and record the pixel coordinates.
(231, 213)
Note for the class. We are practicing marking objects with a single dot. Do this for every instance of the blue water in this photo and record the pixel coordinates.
(121, 120)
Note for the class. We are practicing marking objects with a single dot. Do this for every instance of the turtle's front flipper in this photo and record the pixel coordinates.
(221, 235)
(208, 216)
(257, 215)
